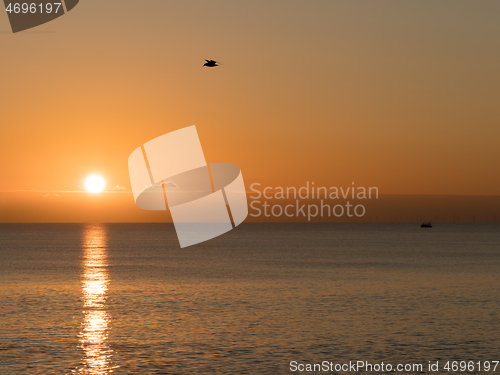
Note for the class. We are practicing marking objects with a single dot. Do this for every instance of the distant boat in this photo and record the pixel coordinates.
(211, 63)
(426, 225)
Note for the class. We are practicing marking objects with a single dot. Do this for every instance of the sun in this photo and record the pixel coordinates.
(94, 184)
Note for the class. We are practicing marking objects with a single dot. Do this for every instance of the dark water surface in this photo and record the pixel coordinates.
(124, 298)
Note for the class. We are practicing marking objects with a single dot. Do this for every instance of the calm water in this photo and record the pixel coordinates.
(124, 298)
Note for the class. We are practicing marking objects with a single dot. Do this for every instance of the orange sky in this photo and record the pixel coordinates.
(399, 95)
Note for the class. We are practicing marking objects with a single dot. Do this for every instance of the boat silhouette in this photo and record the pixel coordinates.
(426, 225)
(211, 63)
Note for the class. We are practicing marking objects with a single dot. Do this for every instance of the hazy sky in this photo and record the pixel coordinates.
(402, 95)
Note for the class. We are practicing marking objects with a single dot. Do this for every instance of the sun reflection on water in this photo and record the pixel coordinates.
(95, 326)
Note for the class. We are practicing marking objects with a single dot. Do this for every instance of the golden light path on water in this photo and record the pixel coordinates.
(95, 326)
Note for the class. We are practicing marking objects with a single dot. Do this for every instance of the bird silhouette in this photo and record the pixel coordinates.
(211, 63)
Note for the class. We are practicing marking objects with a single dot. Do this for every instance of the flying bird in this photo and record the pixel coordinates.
(211, 63)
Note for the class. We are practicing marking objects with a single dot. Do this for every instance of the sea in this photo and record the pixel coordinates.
(262, 299)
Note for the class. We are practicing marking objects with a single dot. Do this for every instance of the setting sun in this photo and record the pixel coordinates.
(94, 184)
